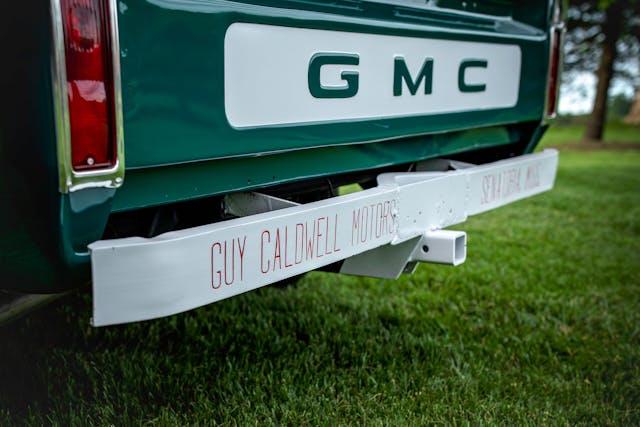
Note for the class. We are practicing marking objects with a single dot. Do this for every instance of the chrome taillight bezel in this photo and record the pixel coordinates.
(556, 33)
(69, 179)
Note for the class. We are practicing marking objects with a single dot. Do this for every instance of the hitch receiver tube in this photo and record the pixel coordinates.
(442, 247)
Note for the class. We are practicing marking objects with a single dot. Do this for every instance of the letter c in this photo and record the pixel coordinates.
(262, 241)
(470, 63)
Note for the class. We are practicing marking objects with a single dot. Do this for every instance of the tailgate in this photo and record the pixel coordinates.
(207, 80)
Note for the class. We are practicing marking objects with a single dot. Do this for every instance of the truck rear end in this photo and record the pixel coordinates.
(192, 149)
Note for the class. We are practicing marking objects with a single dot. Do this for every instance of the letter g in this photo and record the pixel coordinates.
(316, 88)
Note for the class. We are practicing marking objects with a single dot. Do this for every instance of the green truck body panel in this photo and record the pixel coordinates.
(179, 145)
(183, 119)
(193, 180)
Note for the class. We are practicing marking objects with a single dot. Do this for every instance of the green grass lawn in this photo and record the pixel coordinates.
(541, 325)
(560, 134)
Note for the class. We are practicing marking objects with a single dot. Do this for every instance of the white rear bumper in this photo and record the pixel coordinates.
(137, 279)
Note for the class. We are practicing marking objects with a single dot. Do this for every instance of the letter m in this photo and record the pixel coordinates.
(401, 72)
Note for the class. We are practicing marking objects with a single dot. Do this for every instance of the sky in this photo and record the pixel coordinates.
(576, 97)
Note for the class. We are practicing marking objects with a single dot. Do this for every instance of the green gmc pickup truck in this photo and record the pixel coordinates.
(173, 153)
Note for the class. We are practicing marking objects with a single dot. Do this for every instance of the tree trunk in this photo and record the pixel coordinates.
(633, 118)
(595, 124)
(611, 29)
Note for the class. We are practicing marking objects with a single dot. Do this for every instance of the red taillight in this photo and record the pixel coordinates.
(89, 84)
(554, 71)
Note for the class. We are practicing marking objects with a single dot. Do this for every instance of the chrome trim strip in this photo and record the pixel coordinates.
(61, 105)
(70, 180)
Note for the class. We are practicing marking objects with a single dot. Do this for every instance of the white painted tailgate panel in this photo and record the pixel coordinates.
(267, 69)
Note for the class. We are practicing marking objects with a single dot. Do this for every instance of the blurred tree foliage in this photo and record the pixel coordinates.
(618, 107)
(633, 117)
(602, 37)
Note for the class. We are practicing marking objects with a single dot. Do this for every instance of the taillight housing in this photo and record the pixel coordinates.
(555, 64)
(87, 92)
(556, 36)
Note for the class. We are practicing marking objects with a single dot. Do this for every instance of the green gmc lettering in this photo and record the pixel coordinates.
(401, 73)
(401, 76)
(318, 90)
